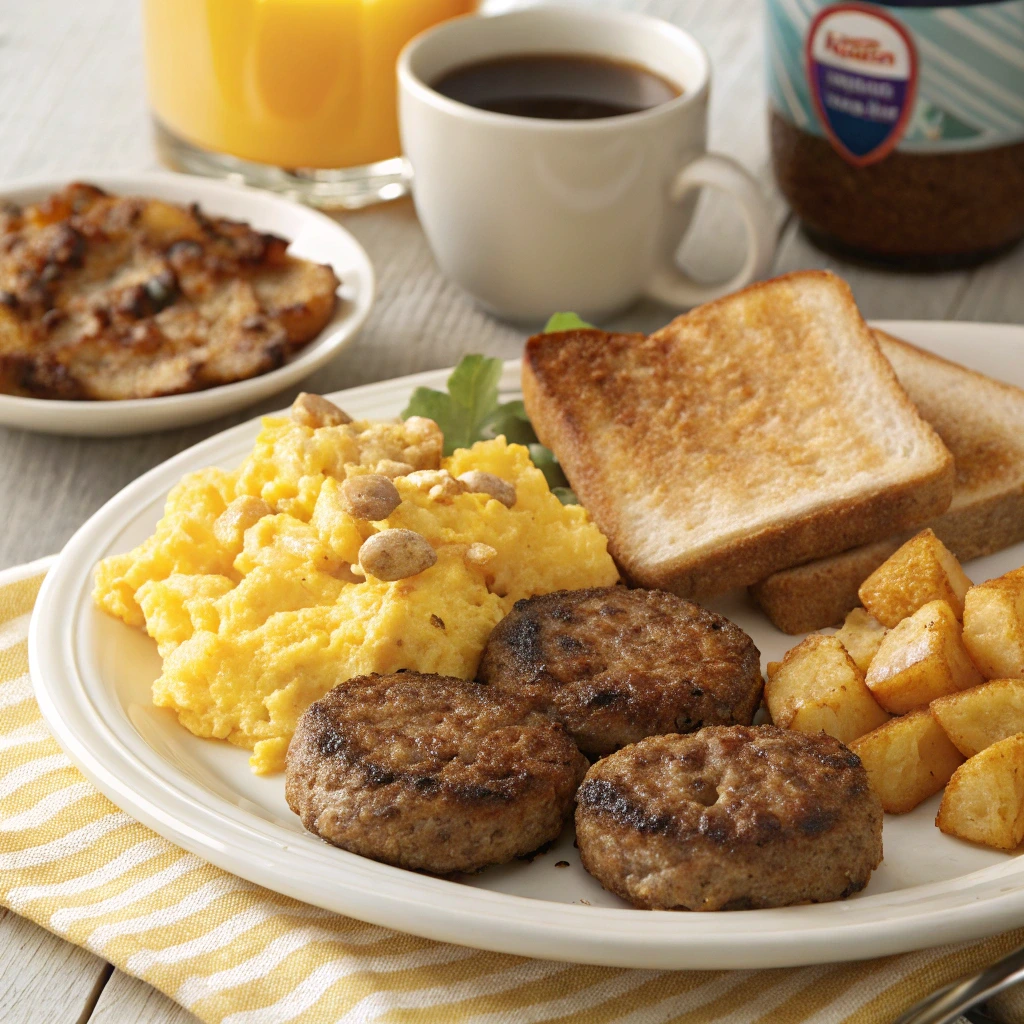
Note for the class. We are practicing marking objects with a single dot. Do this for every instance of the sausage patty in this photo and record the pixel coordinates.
(730, 818)
(430, 773)
(615, 665)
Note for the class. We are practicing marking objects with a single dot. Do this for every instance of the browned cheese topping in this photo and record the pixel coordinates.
(116, 297)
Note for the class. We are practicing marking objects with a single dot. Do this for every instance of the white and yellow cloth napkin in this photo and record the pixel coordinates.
(230, 951)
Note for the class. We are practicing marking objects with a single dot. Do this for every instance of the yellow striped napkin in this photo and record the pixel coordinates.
(230, 951)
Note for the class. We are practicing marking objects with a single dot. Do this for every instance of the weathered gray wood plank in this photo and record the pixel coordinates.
(995, 292)
(43, 979)
(881, 294)
(126, 1000)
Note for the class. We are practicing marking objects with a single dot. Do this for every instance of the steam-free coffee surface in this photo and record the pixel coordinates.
(564, 87)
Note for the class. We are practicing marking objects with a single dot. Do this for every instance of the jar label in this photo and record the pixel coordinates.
(862, 69)
(925, 76)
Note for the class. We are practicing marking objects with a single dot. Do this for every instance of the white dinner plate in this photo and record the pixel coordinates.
(313, 235)
(92, 676)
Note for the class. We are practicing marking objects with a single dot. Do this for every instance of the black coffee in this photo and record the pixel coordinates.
(562, 87)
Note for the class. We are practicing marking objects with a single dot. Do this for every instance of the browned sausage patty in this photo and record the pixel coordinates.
(615, 665)
(730, 818)
(430, 773)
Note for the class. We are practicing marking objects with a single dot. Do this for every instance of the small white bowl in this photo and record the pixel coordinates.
(312, 235)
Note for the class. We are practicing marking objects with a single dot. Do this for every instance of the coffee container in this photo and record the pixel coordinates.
(897, 128)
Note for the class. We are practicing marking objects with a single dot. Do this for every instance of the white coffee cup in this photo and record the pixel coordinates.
(530, 215)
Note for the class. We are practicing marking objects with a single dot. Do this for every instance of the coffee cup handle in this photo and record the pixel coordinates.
(670, 283)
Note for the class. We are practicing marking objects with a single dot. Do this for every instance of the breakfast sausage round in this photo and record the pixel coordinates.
(730, 818)
(615, 665)
(430, 773)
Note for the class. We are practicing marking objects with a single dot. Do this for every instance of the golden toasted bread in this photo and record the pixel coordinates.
(109, 297)
(748, 433)
(981, 421)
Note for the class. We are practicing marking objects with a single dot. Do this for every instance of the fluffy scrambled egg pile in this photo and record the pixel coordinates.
(254, 625)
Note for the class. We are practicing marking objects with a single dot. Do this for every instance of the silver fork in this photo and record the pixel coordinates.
(946, 1004)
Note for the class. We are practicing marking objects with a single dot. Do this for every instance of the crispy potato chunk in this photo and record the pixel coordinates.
(907, 760)
(984, 801)
(994, 626)
(976, 718)
(861, 635)
(920, 659)
(922, 570)
(818, 688)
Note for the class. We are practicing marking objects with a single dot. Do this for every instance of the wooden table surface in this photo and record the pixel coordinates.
(72, 101)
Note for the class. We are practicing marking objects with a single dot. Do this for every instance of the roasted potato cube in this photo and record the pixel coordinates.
(994, 626)
(861, 634)
(920, 659)
(976, 718)
(907, 760)
(818, 688)
(922, 570)
(984, 801)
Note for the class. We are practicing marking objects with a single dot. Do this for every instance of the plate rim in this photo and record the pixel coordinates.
(24, 411)
(989, 900)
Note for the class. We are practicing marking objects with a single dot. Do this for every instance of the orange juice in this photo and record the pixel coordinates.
(292, 83)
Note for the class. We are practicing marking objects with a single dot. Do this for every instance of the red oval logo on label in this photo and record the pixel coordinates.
(862, 71)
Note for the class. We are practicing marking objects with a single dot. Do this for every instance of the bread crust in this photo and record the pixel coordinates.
(568, 383)
(786, 544)
(820, 593)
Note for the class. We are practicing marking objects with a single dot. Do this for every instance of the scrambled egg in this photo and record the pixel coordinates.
(251, 633)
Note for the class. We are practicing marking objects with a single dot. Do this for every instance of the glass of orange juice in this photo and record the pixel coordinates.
(294, 95)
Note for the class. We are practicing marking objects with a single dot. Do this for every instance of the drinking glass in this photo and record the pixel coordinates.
(297, 96)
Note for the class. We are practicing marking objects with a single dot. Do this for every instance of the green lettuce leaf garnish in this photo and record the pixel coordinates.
(511, 420)
(470, 411)
(565, 322)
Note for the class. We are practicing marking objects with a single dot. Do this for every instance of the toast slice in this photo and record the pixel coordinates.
(981, 421)
(760, 430)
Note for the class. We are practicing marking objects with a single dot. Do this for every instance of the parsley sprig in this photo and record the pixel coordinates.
(470, 410)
